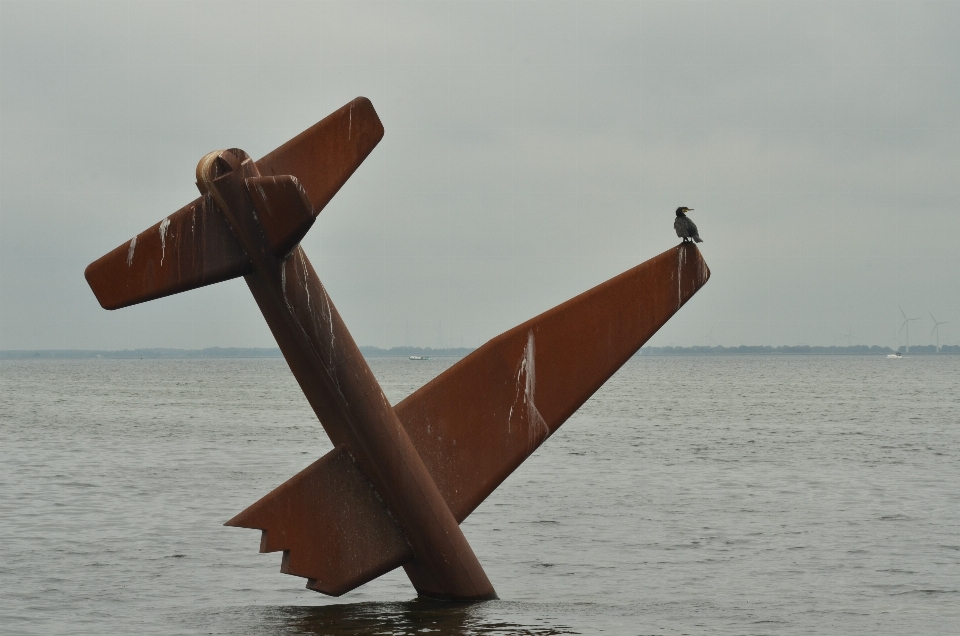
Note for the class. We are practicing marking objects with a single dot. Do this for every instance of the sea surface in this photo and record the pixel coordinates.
(690, 495)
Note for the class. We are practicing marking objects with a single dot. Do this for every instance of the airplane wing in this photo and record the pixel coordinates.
(534, 376)
(194, 246)
(538, 374)
(352, 538)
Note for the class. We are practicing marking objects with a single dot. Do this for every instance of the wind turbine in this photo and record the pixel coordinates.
(906, 323)
(848, 336)
(709, 338)
(936, 328)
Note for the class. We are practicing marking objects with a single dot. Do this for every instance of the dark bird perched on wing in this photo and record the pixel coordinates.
(685, 227)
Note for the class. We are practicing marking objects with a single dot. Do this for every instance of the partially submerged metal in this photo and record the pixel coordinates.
(400, 479)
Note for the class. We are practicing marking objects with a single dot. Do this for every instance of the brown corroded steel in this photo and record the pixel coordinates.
(201, 247)
(400, 479)
(538, 374)
(338, 383)
(190, 248)
(476, 422)
(267, 215)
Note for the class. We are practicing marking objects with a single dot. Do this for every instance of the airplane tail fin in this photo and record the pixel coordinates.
(284, 211)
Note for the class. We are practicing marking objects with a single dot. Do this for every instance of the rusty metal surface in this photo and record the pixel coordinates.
(470, 439)
(330, 524)
(202, 249)
(341, 388)
(324, 156)
(538, 374)
(190, 248)
(399, 480)
(283, 209)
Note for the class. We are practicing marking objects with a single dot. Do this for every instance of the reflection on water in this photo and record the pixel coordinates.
(402, 618)
(413, 617)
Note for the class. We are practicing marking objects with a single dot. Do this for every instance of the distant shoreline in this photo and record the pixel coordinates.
(210, 352)
(459, 352)
(797, 350)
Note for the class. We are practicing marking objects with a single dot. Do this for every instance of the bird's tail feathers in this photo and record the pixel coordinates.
(697, 239)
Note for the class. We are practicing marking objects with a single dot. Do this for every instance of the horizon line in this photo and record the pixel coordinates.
(402, 351)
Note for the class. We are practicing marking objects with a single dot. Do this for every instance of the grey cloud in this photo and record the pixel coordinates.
(532, 150)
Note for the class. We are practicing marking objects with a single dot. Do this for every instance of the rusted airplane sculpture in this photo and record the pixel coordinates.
(400, 479)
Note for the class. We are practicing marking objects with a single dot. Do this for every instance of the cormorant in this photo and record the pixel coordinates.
(685, 227)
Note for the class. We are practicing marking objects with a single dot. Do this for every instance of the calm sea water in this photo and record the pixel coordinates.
(691, 495)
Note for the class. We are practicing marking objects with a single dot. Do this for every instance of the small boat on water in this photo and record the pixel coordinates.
(895, 355)
(419, 357)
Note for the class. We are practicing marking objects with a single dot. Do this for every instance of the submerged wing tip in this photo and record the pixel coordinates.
(317, 585)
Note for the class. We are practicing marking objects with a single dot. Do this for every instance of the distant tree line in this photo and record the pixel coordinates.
(134, 354)
(857, 350)
(210, 352)
(377, 352)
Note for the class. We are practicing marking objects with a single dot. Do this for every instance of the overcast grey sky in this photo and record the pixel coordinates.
(532, 150)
